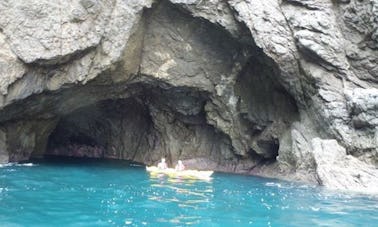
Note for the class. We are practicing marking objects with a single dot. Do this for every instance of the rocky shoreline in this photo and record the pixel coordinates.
(284, 89)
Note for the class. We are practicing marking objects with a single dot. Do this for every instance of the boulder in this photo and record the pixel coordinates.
(337, 170)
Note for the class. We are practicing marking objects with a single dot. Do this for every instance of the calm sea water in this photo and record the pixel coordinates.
(108, 193)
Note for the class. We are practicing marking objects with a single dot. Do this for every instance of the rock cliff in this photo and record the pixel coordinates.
(278, 88)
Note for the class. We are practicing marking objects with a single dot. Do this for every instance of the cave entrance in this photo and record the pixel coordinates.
(154, 122)
(98, 130)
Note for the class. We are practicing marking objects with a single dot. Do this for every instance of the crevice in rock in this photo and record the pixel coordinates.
(307, 5)
(311, 56)
(266, 109)
(60, 60)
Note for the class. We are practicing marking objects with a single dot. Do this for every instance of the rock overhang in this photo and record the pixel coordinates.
(196, 77)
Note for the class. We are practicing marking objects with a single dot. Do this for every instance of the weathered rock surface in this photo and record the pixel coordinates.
(4, 156)
(275, 88)
(337, 170)
(51, 32)
(11, 68)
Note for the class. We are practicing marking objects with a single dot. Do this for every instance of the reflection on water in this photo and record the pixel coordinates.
(113, 194)
(184, 192)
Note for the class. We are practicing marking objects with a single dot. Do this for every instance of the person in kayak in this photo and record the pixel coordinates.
(180, 166)
(162, 164)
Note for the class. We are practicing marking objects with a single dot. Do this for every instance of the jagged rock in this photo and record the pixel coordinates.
(317, 35)
(337, 170)
(334, 61)
(362, 16)
(363, 111)
(179, 52)
(53, 32)
(295, 150)
(360, 29)
(270, 31)
(363, 104)
(4, 156)
(236, 86)
(11, 69)
(24, 138)
(216, 11)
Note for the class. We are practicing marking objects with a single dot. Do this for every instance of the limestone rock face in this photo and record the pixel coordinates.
(275, 88)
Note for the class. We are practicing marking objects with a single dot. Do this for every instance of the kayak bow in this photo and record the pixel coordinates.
(188, 174)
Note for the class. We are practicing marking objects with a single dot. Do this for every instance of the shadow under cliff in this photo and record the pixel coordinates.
(195, 93)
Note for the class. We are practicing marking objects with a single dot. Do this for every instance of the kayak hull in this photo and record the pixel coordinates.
(186, 174)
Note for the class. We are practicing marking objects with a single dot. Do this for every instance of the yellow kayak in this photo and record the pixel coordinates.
(186, 174)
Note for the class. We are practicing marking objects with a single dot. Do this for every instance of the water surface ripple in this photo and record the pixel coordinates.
(114, 193)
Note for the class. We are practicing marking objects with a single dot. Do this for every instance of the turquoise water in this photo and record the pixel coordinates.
(108, 193)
